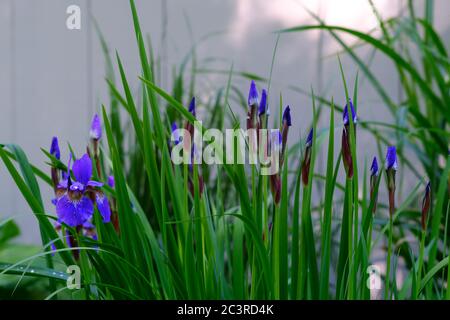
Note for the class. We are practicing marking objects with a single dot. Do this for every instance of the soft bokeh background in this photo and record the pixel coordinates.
(52, 78)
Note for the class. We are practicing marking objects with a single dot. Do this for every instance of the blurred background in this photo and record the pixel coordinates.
(52, 80)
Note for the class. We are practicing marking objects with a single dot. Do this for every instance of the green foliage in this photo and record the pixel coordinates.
(176, 242)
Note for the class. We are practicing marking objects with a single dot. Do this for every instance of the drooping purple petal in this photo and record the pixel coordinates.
(88, 225)
(111, 181)
(374, 167)
(63, 184)
(192, 106)
(54, 148)
(96, 128)
(345, 113)
(287, 116)
(82, 169)
(74, 212)
(103, 206)
(95, 184)
(391, 158)
(253, 96)
(263, 102)
(310, 138)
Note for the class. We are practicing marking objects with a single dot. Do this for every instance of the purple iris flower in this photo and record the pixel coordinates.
(263, 103)
(310, 137)
(54, 148)
(391, 158)
(287, 116)
(96, 128)
(253, 96)
(74, 207)
(345, 114)
(374, 168)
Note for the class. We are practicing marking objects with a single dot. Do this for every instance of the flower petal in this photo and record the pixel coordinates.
(54, 148)
(74, 213)
(103, 206)
(391, 158)
(374, 167)
(287, 116)
(309, 138)
(263, 102)
(82, 169)
(96, 128)
(111, 182)
(93, 183)
(192, 106)
(345, 114)
(253, 96)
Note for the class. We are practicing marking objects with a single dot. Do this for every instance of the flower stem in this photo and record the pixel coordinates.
(419, 270)
(388, 262)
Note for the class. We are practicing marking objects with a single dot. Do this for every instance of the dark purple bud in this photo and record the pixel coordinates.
(54, 148)
(345, 114)
(373, 180)
(263, 103)
(309, 138)
(374, 168)
(96, 128)
(306, 163)
(391, 168)
(287, 116)
(426, 202)
(253, 96)
(192, 106)
(175, 134)
(391, 158)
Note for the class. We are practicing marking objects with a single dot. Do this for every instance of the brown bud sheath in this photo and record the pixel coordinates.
(346, 153)
(275, 187)
(55, 178)
(306, 166)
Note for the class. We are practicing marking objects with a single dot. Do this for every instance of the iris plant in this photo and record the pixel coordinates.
(346, 150)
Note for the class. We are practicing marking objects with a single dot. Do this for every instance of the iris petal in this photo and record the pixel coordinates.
(82, 169)
(54, 148)
(287, 116)
(74, 213)
(93, 183)
(103, 207)
(253, 96)
(96, 128)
